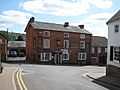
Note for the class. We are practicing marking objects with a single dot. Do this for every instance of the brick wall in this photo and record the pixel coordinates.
(3, 51)
(29, 43)
(33, 54)
(98, 55)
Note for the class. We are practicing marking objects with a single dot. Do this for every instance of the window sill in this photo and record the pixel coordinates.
(66, 59)
(44, 60)
(81, 59)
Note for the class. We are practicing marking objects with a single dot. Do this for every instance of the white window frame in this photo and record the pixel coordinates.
(65, 58)
(46, 43)
(82, 56)
(82, 47)
(99, 49)
(106, 50)
(93, 50)
(66, 34)
(43, 56)
(116, 28)
(44, 33)
(116, 52)
(67, 46)
(82, 36)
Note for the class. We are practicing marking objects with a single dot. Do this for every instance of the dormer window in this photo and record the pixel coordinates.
(66, 35)
(116, 28)
(46, 34)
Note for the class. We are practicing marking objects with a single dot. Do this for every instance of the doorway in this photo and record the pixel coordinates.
(58, 59)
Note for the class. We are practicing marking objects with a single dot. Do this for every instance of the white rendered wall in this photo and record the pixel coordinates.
(113, 40)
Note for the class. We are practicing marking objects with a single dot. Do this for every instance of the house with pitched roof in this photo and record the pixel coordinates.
(57, 43)
(113, 57)
(99, 50)
(3, 47)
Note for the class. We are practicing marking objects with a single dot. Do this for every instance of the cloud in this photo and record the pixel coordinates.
(98, 30)
(97, 19)
(63, 7)
(102, 3)
(21, 1)
(57, 7)
(96, 24)
(12, 17)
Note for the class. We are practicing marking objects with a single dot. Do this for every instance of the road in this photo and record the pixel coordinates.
(52, 77)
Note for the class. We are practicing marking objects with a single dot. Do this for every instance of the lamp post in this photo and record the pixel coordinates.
(0, 51)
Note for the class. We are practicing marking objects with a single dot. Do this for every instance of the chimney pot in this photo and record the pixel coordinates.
(66, 24)
(32, 19)
(81, 26)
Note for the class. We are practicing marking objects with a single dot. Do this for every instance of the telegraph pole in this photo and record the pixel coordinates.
(7, 35)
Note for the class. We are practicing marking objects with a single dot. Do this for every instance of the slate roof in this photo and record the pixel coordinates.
(58, 27)
(99, 41)
(115, 17)
(16, 44)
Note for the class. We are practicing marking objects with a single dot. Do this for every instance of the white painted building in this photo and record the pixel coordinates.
(113, 56)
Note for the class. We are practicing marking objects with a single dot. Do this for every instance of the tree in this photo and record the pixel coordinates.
(20, 38)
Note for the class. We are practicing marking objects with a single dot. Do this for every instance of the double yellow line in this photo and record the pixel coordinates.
(20, 80)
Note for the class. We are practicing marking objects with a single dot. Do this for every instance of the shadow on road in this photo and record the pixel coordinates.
(109, 82)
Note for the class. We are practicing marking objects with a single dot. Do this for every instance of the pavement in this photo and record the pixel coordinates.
(101, 77)
(7, 78)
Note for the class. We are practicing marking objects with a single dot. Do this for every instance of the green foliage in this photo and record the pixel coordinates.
(13, 36)
(20, 38)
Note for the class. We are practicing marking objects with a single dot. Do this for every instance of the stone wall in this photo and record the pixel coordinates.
(113, 71)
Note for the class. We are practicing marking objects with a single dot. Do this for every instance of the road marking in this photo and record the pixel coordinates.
(20, 80)
(23, 84)
(21, 88)
(27, 72)
(13, 77)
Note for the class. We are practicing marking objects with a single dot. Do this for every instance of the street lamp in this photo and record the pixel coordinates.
(0, 51)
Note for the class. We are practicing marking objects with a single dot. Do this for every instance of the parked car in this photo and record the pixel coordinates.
(13, 54)
(21, 54)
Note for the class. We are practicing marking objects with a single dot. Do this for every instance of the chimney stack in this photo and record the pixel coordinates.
(66, 24)
(32, 19)
(81, 26)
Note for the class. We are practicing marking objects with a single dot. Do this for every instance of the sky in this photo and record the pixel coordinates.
(15, 14)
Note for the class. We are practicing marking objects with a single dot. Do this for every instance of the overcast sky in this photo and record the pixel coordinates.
(14, 14)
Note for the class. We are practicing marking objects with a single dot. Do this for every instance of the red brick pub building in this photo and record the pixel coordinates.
(57, 43)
